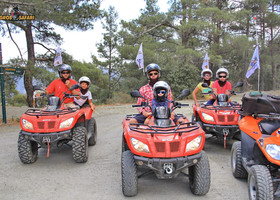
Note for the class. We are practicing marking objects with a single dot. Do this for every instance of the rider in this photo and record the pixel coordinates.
(84, 83)
(221, 85)
(63, 84)
(161, 91)
(206, 75)
(153, 74)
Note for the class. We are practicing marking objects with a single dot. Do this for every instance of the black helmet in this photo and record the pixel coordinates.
(152, 67)
(64, 67)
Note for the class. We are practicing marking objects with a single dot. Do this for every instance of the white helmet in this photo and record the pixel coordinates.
(84, 79)
(161, 85)
(222, 70)
(205, 71)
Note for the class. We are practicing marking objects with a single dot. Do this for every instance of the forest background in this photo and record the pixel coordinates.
(176, 40)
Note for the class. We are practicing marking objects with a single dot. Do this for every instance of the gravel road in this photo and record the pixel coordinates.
(59, 177)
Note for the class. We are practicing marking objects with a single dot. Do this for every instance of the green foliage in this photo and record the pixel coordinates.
(120, 98)
(17, 100)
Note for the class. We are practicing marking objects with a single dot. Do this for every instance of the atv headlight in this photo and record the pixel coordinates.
(67, 123)
(194, 144)
(139, 146)
(273, 150)
(26, 124)
(207, 117)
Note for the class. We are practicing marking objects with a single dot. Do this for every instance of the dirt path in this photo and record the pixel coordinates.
(59, 177)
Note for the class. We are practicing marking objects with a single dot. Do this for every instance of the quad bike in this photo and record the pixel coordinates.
(163, 148)
(53, 126)
(221, 118)
(258, 154)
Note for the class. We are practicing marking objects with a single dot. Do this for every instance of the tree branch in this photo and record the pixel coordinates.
(17, 3)
(9, 30)
(50, 50)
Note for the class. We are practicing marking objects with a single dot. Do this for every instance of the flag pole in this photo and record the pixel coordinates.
(259, 70)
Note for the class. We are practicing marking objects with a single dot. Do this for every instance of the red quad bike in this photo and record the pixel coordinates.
(163, 148)
(220, 119)
(258, 154)
(53, 126)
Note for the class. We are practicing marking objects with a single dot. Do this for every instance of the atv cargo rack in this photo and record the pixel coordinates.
(212, 107)
(39, 112)
(147, 129)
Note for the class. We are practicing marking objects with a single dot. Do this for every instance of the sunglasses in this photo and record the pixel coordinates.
(151, 74)
(65, 72)
(161, 92)
(207, 75)
(222, 76)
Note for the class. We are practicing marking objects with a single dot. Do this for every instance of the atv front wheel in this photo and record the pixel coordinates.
(129, 174)
(260, 183)
(80, 144)
(92, 130)
(237, 168)
(27, 150)
(199, 176)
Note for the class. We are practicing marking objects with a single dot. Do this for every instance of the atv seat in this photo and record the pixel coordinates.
(268, 126)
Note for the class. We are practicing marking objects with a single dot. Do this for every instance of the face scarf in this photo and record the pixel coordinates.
(153, 81)
(64, 80)
(83, 91)
(207, 81)
(221, 83)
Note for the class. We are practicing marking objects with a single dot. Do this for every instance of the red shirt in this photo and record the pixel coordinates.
(58, 87)
(147, 92)
(221, 90)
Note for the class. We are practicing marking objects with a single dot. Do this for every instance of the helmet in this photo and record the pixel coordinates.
(161, 85)
(84, 79)
(222, 70)
(152, 67)
(206, 70)
(64, 67)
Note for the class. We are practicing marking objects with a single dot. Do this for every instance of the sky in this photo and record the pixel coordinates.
(81, 45)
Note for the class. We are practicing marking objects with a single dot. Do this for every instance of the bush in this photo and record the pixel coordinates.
(17, 100)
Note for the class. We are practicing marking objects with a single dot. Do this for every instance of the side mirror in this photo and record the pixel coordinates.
(205, 85)
(185, 92)
(37, 87)
(266, 102)
(73, 87)
(238, 84)
(136, 93)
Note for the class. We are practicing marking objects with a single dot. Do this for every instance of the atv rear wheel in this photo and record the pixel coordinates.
(92, 130)
(199, 176)
(260, 183)
(27, 150)
(129, 174)
(237, 168)
(80, 144)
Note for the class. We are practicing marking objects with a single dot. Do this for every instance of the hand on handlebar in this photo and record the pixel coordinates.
(146, 114)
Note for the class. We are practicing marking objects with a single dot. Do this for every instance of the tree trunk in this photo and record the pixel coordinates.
(28, 76)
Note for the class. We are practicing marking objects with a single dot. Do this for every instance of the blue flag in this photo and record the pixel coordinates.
(255, 63)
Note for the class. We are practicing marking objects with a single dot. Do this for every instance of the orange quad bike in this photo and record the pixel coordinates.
(163, 148)
(55, 125)
(258, 154)
(221, 118)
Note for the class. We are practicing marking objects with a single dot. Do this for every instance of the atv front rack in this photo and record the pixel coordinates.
(147, 129)
(212, 107)
(40, 112)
